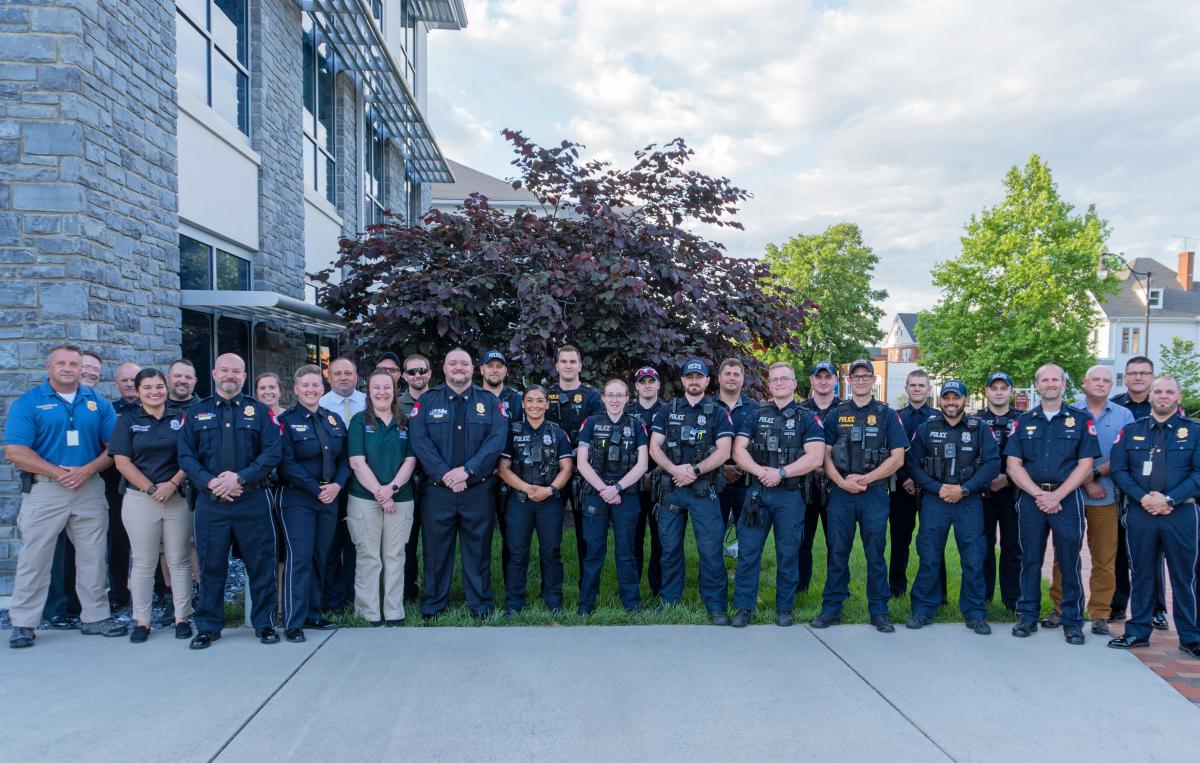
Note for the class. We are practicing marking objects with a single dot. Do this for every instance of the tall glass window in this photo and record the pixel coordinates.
(319, 62)
(202, 265)
(374, 171)
(408, 27)
(213, 58)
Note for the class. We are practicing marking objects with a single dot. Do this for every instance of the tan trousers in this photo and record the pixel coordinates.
(45, 510)
(379, 540)
(152, 526)
(1102, 524)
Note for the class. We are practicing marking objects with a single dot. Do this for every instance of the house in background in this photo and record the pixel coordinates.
(450, 197)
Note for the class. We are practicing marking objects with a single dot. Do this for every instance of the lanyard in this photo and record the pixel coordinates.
(70, 407)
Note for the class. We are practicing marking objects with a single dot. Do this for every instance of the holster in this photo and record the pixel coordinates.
(27, 480)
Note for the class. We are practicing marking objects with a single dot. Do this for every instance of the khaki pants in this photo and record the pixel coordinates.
(379, 540)
(46, 510)
(153, 526)
(1102, 524)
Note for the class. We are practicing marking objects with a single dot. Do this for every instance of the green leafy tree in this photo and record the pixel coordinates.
(833, 269)
(1023, 290)
(1181, 360)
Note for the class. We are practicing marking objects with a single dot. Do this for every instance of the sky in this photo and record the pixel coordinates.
(902, 116)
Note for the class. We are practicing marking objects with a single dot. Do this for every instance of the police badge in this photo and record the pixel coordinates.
(91, 405)
(578, 398)
(791, 424)
(332, 421)
(1070, 421)
(479, 408)
(248, 410)
(871, 420)
(548, 439)
(701, 420)
(966, 437)
(627, 431)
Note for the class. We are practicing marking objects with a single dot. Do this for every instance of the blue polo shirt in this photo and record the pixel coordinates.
(40, 419)
(1113, 419)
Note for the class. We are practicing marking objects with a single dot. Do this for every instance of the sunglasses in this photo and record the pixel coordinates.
(416, 371)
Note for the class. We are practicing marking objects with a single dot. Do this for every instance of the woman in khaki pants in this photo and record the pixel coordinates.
(379, 510)
(154, 512)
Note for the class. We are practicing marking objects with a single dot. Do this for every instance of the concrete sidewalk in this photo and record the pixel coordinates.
(591, 693)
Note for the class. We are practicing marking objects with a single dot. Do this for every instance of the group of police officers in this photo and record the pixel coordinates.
(489, 454)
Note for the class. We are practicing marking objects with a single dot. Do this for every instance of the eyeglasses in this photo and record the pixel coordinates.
(416, 371)
(1139, 373)
(615, 395)
(780, 380)
(862, 378)
(389, 369)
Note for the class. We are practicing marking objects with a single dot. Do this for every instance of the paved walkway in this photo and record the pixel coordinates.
(591, 693)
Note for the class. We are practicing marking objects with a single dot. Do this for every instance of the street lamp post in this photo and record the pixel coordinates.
(1143, 279)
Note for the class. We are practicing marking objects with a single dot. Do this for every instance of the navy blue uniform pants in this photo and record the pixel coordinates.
(1150, 537)
(937, 517)
(338, 578)
(646, 521)
(1000, 525)
(1067, 526)
(732, 498)
(217, 525)
(468, 518)
(869, 511)
(411, 560)
(784, 515)
(308, 531)
(521, 519)
(1121, 595)
(709, 529)
(596, 517)
(903, 511)
(815, 511)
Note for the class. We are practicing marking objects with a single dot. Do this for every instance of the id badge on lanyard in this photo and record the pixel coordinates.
(72, 432)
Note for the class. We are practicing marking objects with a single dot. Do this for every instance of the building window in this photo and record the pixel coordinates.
(1120, 379)
(374, 170)
(906, 355)
(1131, 341)
(319, 63)
(213, 56)
(1156, 296)
(377, 11)
(408, 44)
(202, 265)
(196, 346)
(321, 349)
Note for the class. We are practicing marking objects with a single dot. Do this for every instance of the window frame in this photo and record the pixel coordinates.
(212, 47)
(1154, 300)
(375, 139)
(216, 245)
(328, 151)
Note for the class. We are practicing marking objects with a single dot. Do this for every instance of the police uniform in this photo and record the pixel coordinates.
(235, 435)
(861, 438)
(119, 554)
(645, 495)
(1120, 600)
(775, 438)
(1050, 451)
(902, 510)
(690, 434)
(510, 403)
(450, 429)
(568, 408)
(734, 494)
(815, 488)
(411, 562)
(613, 449)
(1000, 518)
(1164, 457)
(314, 455)
(535, 456)
(965, 454)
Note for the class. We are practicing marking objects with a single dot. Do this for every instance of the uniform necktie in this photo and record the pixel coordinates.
(1158, 473)
(228, 442)
(326, 456)
(458, 437)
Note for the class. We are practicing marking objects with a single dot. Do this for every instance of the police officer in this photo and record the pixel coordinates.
(822, 381)
(181, 384)
(418, 372)
(952, 458)
(1000, 499)
(493, 371)
(228, 447)
(779, 444)
(458, 431)
(864, 446)
(904, 501)
(1156, 462)
(570, 402)
(313, 471)
(1139, 374)
(646, 405)
(731, 378)
(611, 459)
(118, 539)
(536, 465)
(691, 441)
(56, 435)
(1050, 451)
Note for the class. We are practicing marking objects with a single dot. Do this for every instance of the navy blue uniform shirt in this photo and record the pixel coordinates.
(568, 408)
(431, 432)
(151, 444)
(1139, 410)
(1133, 450)
(301, 462)
(596, 432)
(510, 402)
(894, 435)
(647, 415)
(257, 447)
(1050, 450)
(987, 469)
(912, 418)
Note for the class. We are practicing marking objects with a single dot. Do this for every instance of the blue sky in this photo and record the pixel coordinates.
(902, 115)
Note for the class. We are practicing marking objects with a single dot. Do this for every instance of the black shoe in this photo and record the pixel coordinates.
(21, 638)
(1052, 620)
(1191, 650)
(1159, 621)
(718, 618)
(741, 618)
(395, 623)
(109, 628)
(204, 640)
(784, 619)
(139, 635)
(430, 616)
(1100, 628)
(1073, 634)
(1025, 628)
(916, 622)
(882, 624)
(1128, 642)
(379, 623)
(980, 626)
(295, 635)
(584, 611)
(899, 592)
(183, 630)
(267, 635)
(320, 624)
(826, 619)
(481, 615)
(63, 623)
(1117, 617)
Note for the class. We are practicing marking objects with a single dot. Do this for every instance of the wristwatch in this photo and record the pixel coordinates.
(1171, 502)
(696, 470)
(395, 488)
(965, 491)
(783, 472)
(241, 481)
(617, 485)
(1096, 474)
(150, 490)
(553, 492)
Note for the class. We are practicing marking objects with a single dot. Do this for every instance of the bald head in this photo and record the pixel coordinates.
(1097, 385)
(1165, 395)
(126, 372)
(229, 374)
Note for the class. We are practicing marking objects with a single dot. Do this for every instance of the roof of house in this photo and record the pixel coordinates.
(1176, 303)
(910, 323)
(468, 181)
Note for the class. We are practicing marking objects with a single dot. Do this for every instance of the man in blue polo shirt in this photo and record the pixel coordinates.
(57, 435)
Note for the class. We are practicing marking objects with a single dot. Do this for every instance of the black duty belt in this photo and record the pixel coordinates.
(1049, 486)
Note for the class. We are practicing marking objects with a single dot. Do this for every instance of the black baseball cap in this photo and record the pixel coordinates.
(862, 363)
(388, 356)
(999, 376)
(491, 355)
(824, 365)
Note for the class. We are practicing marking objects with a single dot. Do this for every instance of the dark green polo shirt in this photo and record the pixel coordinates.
(385, 447)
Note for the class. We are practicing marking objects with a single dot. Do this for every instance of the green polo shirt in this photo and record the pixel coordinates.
(385, 447)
